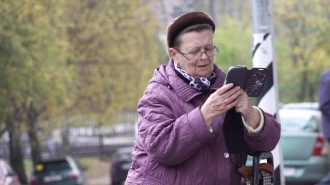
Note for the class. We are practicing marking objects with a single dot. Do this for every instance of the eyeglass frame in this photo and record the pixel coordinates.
(199, 53)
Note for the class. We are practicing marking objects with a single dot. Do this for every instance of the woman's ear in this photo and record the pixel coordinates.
(172, 53)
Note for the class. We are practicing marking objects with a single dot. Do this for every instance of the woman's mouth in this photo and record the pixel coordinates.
(202, 66)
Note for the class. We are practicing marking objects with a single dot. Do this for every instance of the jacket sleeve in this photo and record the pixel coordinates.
(267, 139)
(167, 140)
(324, 98)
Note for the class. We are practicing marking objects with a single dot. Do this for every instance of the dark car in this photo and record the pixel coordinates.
(120, 164)
(7, 174)
(59, 171)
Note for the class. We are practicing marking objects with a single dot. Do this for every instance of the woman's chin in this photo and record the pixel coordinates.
(205, 74)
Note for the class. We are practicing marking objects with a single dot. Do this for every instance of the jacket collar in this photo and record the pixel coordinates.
(183, 90)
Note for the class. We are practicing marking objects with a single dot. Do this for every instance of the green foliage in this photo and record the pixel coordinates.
(234, 40)
(304, 27)
(301, 45)
(287, 92)
(34, 74)
(76, 57)
(33, 56)
(115, 51)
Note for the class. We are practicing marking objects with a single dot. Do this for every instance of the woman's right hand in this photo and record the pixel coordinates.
(219, 102)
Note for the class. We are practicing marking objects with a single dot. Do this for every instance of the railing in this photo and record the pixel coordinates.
(81, 143)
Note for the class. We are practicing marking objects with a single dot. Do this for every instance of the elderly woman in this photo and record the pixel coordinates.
(180, 138)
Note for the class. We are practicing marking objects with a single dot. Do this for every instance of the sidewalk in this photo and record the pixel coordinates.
(99, 181)
(98, 171)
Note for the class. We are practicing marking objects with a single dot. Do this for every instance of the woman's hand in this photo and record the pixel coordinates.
(250, 114)
(219, 102)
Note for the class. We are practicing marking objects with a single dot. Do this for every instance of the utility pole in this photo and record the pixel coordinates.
(212, 9)
(264, 56)
(226, 7)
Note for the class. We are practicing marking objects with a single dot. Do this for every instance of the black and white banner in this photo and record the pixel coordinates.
(268, 100)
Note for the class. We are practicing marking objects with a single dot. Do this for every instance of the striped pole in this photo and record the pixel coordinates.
(263, 56)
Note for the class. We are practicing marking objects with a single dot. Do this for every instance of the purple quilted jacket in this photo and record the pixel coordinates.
(174, 146)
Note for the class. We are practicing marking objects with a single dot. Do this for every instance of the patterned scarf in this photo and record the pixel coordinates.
(201, 84)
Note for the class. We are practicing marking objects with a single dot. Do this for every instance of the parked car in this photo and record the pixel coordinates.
(7, 174)
(120, 164)
(59, 171)
(304, 149)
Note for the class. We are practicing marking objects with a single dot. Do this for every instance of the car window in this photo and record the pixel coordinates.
(52, 166)
(296, 123)
(76, 164)
(9, 169)
(123, 155)
(305, 105)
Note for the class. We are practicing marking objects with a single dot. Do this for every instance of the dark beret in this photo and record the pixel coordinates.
(184, 21)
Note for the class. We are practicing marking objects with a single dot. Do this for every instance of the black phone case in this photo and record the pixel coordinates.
(252, 81)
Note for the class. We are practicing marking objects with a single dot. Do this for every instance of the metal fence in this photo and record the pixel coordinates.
(80, 141)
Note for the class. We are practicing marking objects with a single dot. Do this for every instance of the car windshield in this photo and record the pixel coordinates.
(52, 166)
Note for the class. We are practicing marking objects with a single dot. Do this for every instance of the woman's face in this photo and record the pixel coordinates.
(192, 43)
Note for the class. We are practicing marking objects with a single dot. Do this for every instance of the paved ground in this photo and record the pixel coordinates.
(99, 181)
(98, 171)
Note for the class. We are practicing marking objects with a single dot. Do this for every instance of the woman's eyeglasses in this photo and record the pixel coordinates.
(197, 55)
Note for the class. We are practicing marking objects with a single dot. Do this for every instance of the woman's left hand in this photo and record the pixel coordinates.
(250, 114)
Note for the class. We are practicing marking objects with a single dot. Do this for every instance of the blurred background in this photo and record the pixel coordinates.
(72, 72)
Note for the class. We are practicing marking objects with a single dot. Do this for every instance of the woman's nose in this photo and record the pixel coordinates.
(202, 54)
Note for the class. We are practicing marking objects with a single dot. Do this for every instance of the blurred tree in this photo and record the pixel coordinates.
(33, 69)
(234, 40)
(301, 43)
(116, 48)
(304, 26)
(237, 9)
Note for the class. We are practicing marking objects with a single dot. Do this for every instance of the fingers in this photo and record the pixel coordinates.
(219, 102)
(230, 96)
(243, 97)
(225, 88)
(230, 105)
(243, 102)
(227, 100)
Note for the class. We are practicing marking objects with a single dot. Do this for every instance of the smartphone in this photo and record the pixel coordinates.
(251, 81)
(236, 75)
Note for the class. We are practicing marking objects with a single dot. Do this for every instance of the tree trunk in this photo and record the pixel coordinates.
(312, 93)
(14, 116)
(304, 90)
(33, 134)
(66, 139)
(16, 156)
